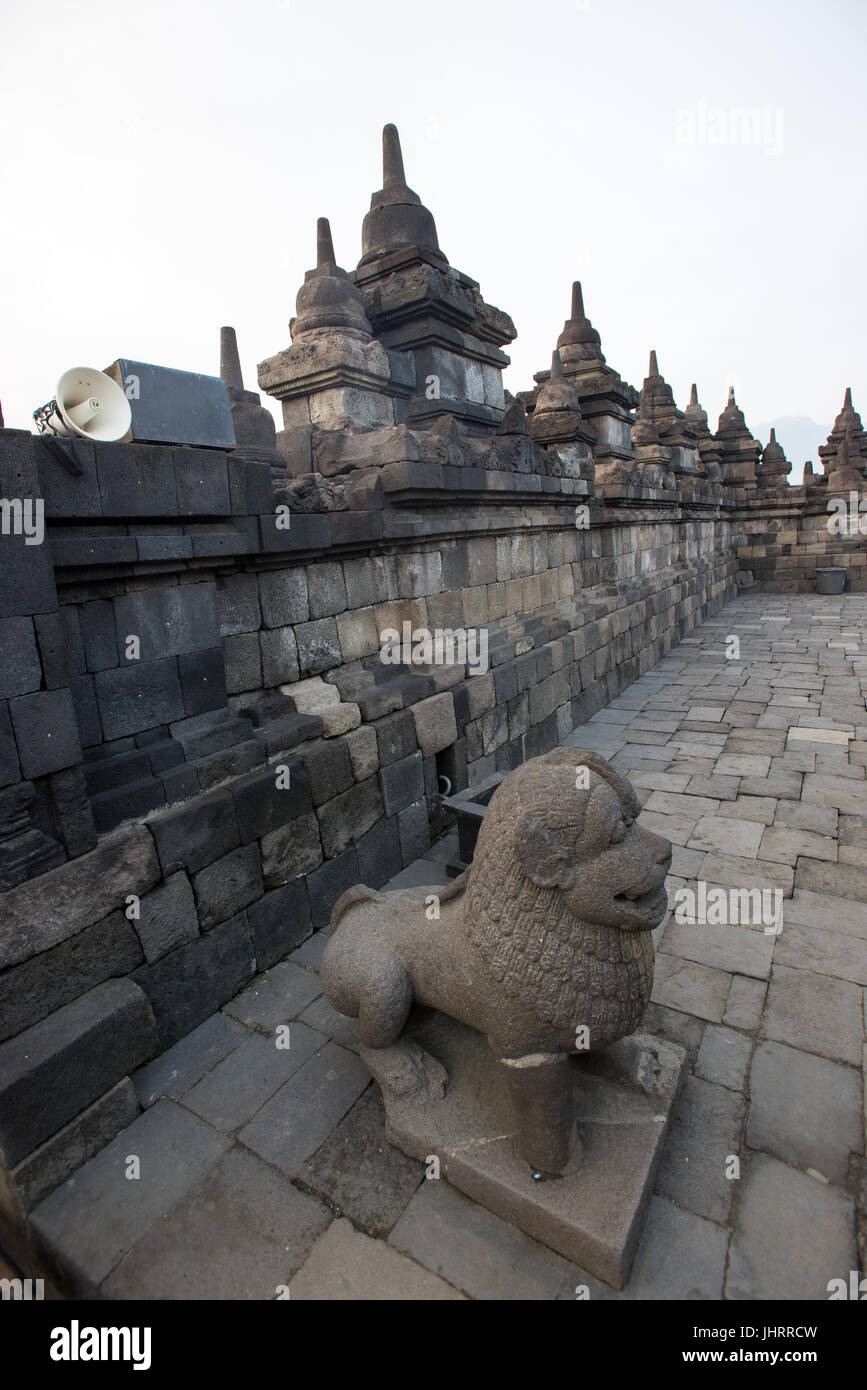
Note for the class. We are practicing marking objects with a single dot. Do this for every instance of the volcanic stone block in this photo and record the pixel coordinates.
(65, 1152)
(280, 656)
(180, 783)
(168, 621)
(329, 768)
(118, 771)
(167, 917)
(131, 802)
(363, 752)
(326, 590)
(283, 595)
(203, 680)
(189, 837)
(66, 494)
(318, 646)
(263, 803)
(31, 991)
(139, 697)
(238, 604)
(249, 487)
(202, 481)
(51, 638)
(39, 914)
(395, 737)
(304, 533)
(379, 857)
(53, 1070)
(290, 851)
(414, 829)
(10, 770)
(20, 666)
(348, 816)
(136, 480)
(45, 731)
(325, 885)
(70, 810)
(86, 710)
(435, 725)
(187, 985)
(402, 783)
(26, 576)
(242, 659)
(279, 922)
(228, 885)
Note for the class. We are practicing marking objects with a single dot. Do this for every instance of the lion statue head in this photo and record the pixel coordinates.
(564, 890)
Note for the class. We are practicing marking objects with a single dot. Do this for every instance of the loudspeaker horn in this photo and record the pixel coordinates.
(87, 404)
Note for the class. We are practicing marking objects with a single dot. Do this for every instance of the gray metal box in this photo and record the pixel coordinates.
(173, 407)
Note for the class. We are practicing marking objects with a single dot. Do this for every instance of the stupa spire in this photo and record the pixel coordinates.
(393, 176)
(324, 244)
(230, 361)
(653, 368)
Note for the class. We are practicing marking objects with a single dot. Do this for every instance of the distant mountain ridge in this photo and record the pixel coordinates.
(800, 437)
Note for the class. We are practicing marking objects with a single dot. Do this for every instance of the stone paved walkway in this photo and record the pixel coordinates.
(265, 1170)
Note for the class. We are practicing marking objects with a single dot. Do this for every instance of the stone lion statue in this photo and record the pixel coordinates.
(543, 944)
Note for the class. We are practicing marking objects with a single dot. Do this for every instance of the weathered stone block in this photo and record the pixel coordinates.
(283, 595)
(363, 752)
(329, 769)
(263, 802)
(139, 697)
(396, 736)
(53, 1070)
(279, 922)
(45, 731)
(167, 917)
(402, 783)
(325, 885)
(379, 853)
(20, 666)
(279, 656)
(187, 985)
(435, 724)
(414, 830)
(53, 907)
(62, 1155)
(348, 816)
(31, 991)
(318, 646)
(191, 836)
(228, 885)
(291, 850)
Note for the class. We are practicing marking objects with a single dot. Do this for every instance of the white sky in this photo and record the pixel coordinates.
(163, 165)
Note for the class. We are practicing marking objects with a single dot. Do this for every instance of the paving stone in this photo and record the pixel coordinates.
(824, 789)
(792, 1234)
(347, 1265)
(829, 913)
(743, 765)
(248, 1076)
(292, 1125)
(716, 787)
(804, 1109)
(722, 947)
(694, 989)
(476, 1251)
(325, 1019)
(680, 1256)
(826, 952)
(705, 1131)
(95, 1217)
(678, 804)
(309, 954)
(750, 808)
(275, 997)
(777, 784)
(745, 1003)
(736, 871)
(727, 836)
(814, 1012)
(176, 1070)
(240, 1205)
(358, 1171)
(723, 1057)
(837, 880)
(785, 846)
(679, 1027)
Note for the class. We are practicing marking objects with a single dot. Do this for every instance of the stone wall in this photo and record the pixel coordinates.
(781, 544)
